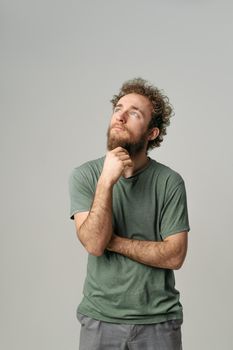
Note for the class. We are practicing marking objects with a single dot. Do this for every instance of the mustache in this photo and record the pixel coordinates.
(119, 126)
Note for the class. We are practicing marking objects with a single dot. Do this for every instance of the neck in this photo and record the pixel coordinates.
(139, 162)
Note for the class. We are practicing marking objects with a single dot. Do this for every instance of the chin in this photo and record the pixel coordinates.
(117, 138)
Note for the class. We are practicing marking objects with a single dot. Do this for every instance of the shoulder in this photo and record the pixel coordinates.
(89, 170)
(166, 175)
(94, 165)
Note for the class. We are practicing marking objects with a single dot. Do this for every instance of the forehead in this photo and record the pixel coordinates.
(136, 100)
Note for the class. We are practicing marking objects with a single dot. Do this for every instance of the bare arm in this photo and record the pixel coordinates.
(94, 228)
(168, 254)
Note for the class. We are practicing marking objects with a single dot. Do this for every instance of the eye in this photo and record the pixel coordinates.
(116, 109)
(134, 114)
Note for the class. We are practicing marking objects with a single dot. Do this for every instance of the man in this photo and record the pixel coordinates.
(131, 215)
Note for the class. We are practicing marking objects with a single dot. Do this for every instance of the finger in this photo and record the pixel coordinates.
(119, 149)
(127, 163)
(124, 156)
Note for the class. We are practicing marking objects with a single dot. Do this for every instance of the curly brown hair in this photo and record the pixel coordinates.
(162, 109)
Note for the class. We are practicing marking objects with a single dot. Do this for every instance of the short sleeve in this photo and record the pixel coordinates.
(174, 215)
(81, 192)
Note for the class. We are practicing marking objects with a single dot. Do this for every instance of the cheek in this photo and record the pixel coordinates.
(112, 120)
(138, 133)
(137, 127)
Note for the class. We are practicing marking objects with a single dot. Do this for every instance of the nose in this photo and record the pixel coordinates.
(121, 116)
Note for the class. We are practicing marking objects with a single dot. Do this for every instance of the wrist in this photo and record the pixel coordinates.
(105, 182)
(115, 243)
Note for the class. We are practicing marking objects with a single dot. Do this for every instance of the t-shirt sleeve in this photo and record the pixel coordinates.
(174, 215)
(81, 192)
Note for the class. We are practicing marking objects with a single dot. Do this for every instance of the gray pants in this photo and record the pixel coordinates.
(99, 335)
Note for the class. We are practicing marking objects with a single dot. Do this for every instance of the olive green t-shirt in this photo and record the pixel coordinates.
(149, 205)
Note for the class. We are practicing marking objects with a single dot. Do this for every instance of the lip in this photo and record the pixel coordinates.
(117, 127)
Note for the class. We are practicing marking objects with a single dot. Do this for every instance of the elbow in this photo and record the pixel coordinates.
(93, 247)
(177, 266)
(178, 259)
(177, 263)
(95, 250)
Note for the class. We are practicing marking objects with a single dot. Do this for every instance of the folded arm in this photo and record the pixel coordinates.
(94, 227)
(168, 254)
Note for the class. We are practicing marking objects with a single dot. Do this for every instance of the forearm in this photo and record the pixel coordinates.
(96, 231)
(157, 254)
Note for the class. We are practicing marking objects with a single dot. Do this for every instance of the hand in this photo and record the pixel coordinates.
(116, 162)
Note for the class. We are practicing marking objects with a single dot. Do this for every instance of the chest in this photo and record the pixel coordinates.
(136, 209)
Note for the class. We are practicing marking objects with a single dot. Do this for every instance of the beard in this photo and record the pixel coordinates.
(133, 147)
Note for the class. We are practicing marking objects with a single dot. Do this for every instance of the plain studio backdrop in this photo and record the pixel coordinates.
(61, 62)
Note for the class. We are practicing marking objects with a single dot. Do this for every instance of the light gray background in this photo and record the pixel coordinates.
(61, 62)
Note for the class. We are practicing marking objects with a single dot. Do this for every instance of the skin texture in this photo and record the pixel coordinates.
(94, 228)
(169, 254)
(129, 124)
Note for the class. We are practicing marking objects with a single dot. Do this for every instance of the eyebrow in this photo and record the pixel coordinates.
(132, 107)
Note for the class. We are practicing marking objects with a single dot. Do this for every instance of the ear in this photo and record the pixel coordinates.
(153, 133)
